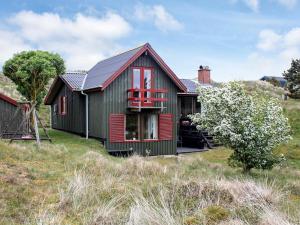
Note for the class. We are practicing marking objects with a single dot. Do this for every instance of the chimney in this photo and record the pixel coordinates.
(204, 75)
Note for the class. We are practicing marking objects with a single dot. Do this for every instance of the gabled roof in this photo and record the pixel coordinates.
(191, 85)
(106, 71)
(8, 99)
(74, 79)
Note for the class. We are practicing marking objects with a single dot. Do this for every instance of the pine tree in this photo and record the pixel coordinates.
(292, 75)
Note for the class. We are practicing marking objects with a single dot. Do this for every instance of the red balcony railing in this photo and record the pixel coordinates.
(146, 98)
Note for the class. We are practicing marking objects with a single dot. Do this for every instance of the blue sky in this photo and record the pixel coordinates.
(238, 39)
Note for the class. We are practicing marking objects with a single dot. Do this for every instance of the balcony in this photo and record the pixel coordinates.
(139, 99)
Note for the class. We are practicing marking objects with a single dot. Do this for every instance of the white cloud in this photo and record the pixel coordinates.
(292, 38)
(288, 3)
(252, 4)
(10, 43)
(269, 40)
(82, 40)
(287, 45)
(274, 52)
(157, 14)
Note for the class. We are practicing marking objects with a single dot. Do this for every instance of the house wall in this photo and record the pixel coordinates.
(113, 100)
(74, 120)
(10, 119)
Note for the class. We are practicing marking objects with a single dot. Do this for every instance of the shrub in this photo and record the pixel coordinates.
(251, 125)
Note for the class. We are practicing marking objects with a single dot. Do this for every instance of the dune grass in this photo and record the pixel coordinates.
(74, 181)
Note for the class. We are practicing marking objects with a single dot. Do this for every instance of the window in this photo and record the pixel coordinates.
(136, 83)
(63, 105)
(141, 127)
(142, 78)
(55, 109)
(147, 83)
(150, 126)
(132, 127)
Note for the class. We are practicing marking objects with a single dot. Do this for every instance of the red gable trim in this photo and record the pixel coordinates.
(157, 58)
(54, 83)
(8, 99)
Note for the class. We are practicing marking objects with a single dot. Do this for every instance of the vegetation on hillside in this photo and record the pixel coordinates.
(74, 181)
(292, 75)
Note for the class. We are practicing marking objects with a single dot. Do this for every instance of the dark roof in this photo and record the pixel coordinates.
(191, 85)
(74, 79)
(8, 99)
(281, 80)
(106, 71)
(103, 70)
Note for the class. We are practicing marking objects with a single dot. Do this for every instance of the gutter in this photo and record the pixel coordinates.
(86, 109)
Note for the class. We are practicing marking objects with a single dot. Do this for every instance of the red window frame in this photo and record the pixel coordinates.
(63, 105)
(141, 89)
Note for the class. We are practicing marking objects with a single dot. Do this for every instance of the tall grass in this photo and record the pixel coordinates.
(140, 190)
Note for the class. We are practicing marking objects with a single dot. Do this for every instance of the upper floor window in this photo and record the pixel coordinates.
(142, 81)
(63, 105)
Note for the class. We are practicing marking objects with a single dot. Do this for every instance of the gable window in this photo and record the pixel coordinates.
(132, 127)
(63, 105)
(142, 82)
(150, 126)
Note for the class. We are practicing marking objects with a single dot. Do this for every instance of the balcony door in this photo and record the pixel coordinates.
(142, 81)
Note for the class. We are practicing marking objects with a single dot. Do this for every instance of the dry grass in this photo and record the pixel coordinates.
(141, 190)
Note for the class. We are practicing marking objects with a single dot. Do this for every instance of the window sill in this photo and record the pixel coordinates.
(132, 140)
(151, 140)
(145, 140)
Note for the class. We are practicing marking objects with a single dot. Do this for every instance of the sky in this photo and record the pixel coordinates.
(237, 39)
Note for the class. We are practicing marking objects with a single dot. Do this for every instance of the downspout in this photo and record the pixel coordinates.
(86, 109)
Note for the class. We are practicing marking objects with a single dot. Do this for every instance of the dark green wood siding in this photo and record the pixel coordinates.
(96, 111)
(74, 120)
(114, 100)
(10, 118)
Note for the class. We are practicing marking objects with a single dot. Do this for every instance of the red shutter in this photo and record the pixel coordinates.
(166, 127)
(65, 104)
(116, 127)
(59, 105)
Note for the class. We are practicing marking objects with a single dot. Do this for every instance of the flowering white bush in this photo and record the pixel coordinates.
(251, 125)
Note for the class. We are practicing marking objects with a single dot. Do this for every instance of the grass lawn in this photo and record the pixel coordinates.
(74, 181)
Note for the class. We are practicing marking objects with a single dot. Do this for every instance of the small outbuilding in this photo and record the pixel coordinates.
(12, 115)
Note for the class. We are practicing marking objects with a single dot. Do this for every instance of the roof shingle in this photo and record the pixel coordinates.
(74, 79)
(104, 69)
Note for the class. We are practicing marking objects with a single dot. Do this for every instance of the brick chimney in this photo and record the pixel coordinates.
(204, 75)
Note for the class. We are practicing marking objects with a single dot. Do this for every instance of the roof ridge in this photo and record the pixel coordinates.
(120, 54)
(76, 72)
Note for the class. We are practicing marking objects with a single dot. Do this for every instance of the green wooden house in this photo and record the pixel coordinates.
(131, 102)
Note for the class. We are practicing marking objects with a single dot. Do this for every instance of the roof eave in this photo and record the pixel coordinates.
(8, 99)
